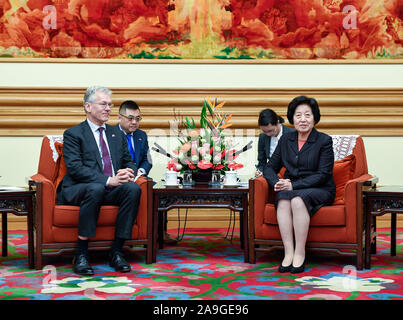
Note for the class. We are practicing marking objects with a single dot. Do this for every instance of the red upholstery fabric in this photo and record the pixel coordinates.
(326, 216)
(59, 223)
(67, 216)
(343, 171)
(60, 163)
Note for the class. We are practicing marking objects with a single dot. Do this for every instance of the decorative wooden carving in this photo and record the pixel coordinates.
(41, 111)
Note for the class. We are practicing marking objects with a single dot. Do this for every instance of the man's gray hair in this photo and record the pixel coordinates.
(91, 92)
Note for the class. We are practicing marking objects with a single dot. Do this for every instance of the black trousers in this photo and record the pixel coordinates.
(91, 196)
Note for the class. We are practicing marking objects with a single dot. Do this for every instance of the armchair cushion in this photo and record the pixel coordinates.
(67, 216)
(60, 164)
(343, 171)
(326, 216)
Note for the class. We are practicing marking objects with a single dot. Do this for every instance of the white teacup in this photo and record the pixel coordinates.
(171, 178)
(231, 178)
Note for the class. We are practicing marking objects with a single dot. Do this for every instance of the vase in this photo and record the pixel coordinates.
(203, 176)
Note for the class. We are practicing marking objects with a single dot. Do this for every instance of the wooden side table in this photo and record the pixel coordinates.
(18, 201)
(200, 196)
(377, 202)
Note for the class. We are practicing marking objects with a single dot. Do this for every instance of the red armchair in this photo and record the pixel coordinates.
(336, 228)
(55, 225)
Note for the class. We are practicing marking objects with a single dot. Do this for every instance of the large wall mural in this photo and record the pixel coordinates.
(202, 29)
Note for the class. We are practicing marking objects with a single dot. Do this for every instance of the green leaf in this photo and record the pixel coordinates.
(187, 123)
(209, 108)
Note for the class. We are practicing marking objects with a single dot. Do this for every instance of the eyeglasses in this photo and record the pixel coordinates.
(131, 118)
(104, 104)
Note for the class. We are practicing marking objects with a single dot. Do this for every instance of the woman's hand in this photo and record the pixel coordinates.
(258, 173)
(283, 184)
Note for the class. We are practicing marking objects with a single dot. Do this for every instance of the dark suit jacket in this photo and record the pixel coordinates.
(83, 159)
(263, 149)
(141, 150)
(311, 167)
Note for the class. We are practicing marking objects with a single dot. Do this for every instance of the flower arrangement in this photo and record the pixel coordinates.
(206, 147)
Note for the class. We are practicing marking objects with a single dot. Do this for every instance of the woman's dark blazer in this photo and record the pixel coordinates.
(311, 167)
(263, 148)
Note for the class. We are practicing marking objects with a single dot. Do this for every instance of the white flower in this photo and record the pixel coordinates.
(346, 283)
(102, 284)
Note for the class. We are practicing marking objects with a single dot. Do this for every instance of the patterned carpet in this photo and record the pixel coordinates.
(204, 266)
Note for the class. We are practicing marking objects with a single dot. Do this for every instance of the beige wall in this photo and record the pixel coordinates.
(203, 75)
(19, 155)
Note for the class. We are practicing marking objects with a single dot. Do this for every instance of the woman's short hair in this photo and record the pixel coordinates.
(303, 100)
(268, 116)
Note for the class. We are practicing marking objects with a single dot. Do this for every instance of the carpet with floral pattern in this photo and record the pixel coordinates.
(204, 266)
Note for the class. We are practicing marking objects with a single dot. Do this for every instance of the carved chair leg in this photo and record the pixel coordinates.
(149, 254)
(360, 256)
(252, 252)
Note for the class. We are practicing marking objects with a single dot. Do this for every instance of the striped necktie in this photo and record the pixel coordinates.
(106, 159)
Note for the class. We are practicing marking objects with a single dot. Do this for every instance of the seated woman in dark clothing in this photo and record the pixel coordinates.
(272, 128)
(308, 184)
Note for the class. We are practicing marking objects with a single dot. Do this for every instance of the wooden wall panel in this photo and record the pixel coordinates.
(40, 111)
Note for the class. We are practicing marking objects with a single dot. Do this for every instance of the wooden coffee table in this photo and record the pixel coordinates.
(200, 196)
(377, 202)
(18, 201)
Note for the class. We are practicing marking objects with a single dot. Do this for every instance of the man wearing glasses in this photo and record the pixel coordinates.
(100, 171)
(129, 121)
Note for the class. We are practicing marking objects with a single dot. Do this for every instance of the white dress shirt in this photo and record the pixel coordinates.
(274, 141)
(95, 132)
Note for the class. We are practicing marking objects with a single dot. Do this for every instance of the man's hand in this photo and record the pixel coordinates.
(283, 184)
(122, 176)
(141, 172)
(258, 173)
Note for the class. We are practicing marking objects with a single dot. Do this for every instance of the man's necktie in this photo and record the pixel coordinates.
(105, 155)
(129, 143)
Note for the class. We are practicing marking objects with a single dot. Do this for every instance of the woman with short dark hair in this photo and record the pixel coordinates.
(272, 128)
(308, 184)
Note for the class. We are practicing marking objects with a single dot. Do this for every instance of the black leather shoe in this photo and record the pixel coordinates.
(118, 262)
(299, 269)
(81, 265)
(283, 269)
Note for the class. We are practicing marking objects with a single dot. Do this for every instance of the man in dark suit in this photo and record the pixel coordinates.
(272, 128)
(129, 121)
(100, 171)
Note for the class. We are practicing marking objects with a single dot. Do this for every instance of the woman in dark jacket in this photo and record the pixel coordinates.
(272, 128)
(308, 184)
